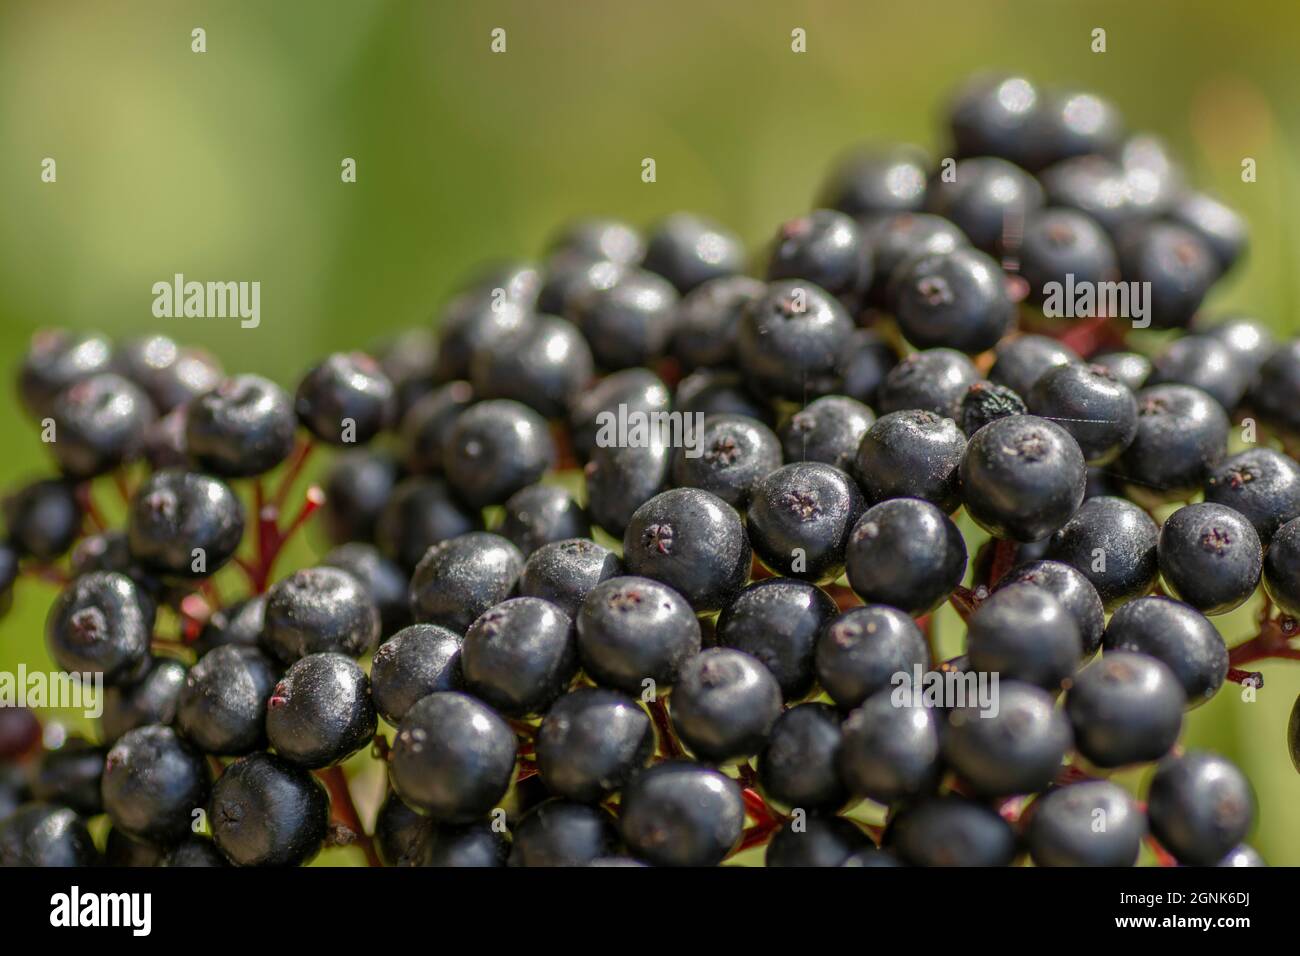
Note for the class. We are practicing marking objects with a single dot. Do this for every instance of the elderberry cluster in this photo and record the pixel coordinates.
(636, 559)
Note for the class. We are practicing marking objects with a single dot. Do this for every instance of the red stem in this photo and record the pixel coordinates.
(291, 473)
(345, 811)
(667, 738)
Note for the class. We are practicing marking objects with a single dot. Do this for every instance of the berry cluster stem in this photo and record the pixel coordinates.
(345, 811)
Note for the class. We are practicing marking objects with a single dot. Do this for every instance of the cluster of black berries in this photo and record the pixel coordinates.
(715, 635)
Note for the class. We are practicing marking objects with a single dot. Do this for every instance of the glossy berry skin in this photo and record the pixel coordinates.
(777, 622)
(689, 250)
(267, 812)
(453, 758)
(544, 365)
(410, 360)
(1021, 361)
(542, 514)
(243, 427)
(1017, 750)
(237, 623)
(1098, 187)
(357, 486)
(1282, 568)
(951, 831)
(1098, 411)
(1293, 735)
(320, 712)
(316, 611)
(175, 514)
(564, 572)
(345, 399)
(474, 320)
(1242, 856)
(1204, 362)
(933, 380)
(911, 454)
(790, 340)
(953, 300)
(985, 402)
(995, 114)
(691, 541)
(459, 579)
(821, 841)
(109, 551)
(877, 180)
(906, 553)
(1125, 708)
(862, 366)
(591, 742)
(42, 834)
(1113, 543)
(638, 389)
(724, 704)
(633, 629)
(1180, 266)
(43, 518)
(422, 512)
(1131, 368)
(824, 247)
(570, 277)
(1059, 243)
(1062, 828)
(708, 317)
(519, 656)
(828, 430)
(222, 704)
(1022, 477)
(153, 781)
(100, 424)
(383, 580)
(630, 323)
(600, 238)
(1276, 391)
(494, 449)
(798, 765)
(56, 359)
(1179, 636)
(1261, 484)
(69, 776)
(1025, 634)
(901, 237)
(1200, 807)
(1249, 341)
(800, 520)
(194, 852)
(1210, 557)
(1075, 592)
(101, 624)
(560, 833)
(401, 834)
(681, 814)
(412, 664)
(621, 479)
(1218, 226)
(152, 699)
(889, 752)
(986, 193)
(861, 650)
(721, 391)
(425, 425)
(733, 454)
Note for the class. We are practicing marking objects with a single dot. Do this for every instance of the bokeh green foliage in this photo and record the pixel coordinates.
(225, 165)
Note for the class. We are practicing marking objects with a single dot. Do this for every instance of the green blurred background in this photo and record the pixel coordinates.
(225, 165)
